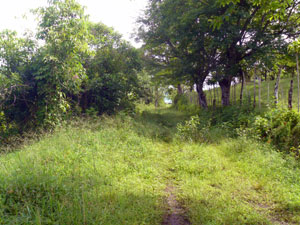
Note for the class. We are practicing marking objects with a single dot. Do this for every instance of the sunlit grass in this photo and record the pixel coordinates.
(238, 182)
(103, 175)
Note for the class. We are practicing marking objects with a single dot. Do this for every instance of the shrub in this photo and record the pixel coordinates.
(193, 130)
(279, 127)
(2, 122)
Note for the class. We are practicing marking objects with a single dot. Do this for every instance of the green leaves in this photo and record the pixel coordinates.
(75, 65)
(112, 71)
(294, 47)
(64, 28)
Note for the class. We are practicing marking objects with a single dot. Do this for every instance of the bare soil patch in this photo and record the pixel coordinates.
(176, 214)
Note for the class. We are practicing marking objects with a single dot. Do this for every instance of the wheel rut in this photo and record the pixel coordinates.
(176, 214)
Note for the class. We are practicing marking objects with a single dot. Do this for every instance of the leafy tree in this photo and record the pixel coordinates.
(250, 28)
(112, 71)
(16, 78)
(63, 27)
(176, 34)
(217, 37)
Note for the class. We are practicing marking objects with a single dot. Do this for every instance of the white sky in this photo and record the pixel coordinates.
(120, 14)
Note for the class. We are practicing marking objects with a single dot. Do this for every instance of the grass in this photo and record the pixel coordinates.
(237, 182)
(84, 174)
(115, 170)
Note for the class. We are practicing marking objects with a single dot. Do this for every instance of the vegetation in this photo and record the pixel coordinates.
(117, 169)
(219, 41)
(83, 139)
(70, 66)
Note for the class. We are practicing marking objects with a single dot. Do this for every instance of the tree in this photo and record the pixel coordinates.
(175, 34)
(112, 71)
(295, 48)
(17, 89)
(63, 27)
(249, 28)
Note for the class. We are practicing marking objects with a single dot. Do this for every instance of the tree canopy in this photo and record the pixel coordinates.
(213, 39)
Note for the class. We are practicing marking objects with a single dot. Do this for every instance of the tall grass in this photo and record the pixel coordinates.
(238, 182)
(87, 173)
(115, 170)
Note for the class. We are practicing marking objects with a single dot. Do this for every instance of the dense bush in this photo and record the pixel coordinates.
(79, 66)
(280, 127)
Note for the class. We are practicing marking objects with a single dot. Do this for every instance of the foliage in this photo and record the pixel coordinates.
(169, 30)
(112, 70)
(3, 123)
(193, 39)
(181, 103)
(194, 130)
(213, 126)
(280, 127)
(64, 29)
(16, 78)
(71, 65)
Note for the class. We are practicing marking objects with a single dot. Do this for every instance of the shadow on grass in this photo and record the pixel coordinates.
(159, 124)
(203, 211)
(38, 199)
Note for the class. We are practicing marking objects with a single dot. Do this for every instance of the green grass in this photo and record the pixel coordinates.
(237, 182)
(84, 174)
(115, 170)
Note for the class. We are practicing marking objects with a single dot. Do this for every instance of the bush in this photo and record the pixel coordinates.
(193, 130)
(2, 123)
(7, 129)
(280, 127)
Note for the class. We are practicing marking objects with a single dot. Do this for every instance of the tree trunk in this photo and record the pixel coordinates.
(201, 95)
(268, 91)
(225, 85)
(214, 101)
(259, 92)
(156, 102)
(179, 89)
(290, 99)
(234, 92)
(277, 87)
(242, 89)
(83, 101)
(217, 95)
(191, 95)
(254, 91)
(298, 81)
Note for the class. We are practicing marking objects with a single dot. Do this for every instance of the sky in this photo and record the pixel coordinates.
(120, 14)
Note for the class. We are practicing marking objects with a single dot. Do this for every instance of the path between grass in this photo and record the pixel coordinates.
(136, 171)
(176, 214)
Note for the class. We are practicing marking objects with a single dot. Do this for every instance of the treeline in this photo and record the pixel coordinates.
(71, 66)
(220, 42)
